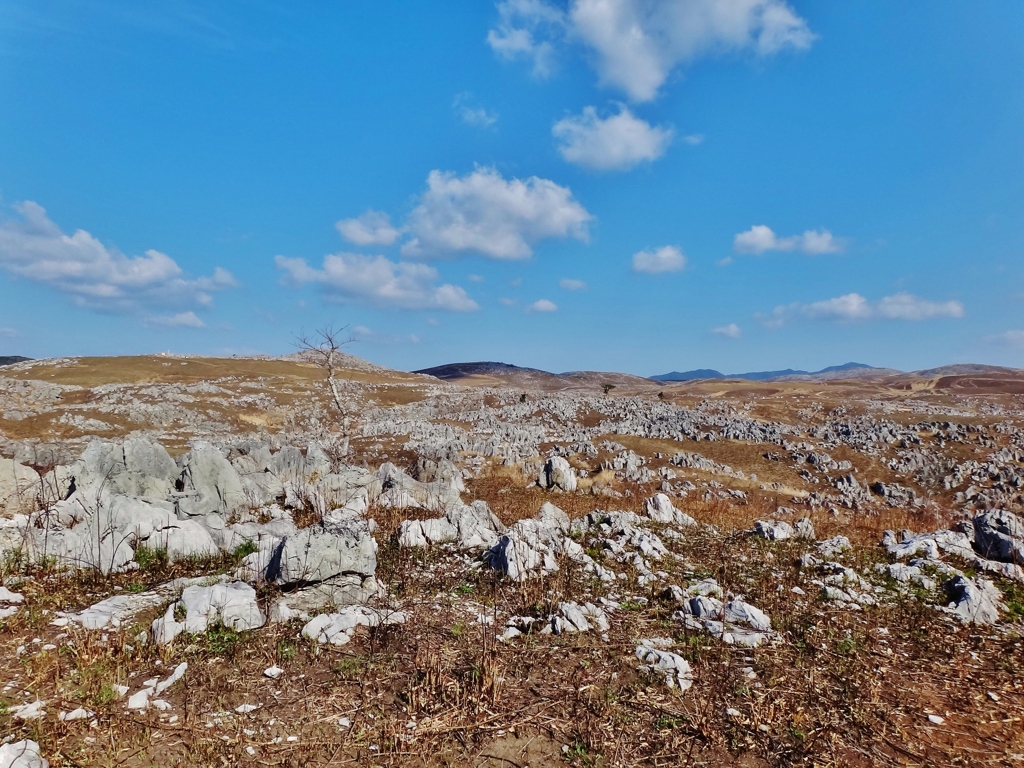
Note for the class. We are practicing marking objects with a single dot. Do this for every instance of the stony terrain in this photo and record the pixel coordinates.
(204, 562)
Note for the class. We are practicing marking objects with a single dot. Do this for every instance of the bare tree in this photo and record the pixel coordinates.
(323, 347)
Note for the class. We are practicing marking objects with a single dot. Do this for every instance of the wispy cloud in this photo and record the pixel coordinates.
(180, 320)
(571, 284)
(93, 275)
(375, 280)
(1010, 339)
(668, 258)
(369, 336)
(730, 331)
(760, 239)
(853, 307)
(694, 139)
(473, 114)
(617, 142)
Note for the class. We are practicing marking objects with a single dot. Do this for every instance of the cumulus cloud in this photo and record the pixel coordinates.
(485, 213)
(571, 284)
(759, 239)
(472, 114)
(731, 331)
(852, 307)
(636, 44)
(375, 280)
(618, 142)
(34, 248)
(543, 305)
(668, 258)
(372, 228)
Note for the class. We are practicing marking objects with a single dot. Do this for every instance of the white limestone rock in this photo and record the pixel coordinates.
(675, 668)
(22, 754)
(338, 628)
(660, 509)
(558, 474)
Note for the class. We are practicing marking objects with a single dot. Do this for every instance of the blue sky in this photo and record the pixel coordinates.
(635, 185)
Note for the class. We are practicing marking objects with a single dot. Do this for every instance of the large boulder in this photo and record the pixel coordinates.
(660, 509)
(557, 474)
(320, 553)
(531, 546)
(103, 534)
(975, 600)
(136, 467)
(398, 490)
(231, 605)
(19, 488)
(999, 535)
(472, 526)
(209, 484)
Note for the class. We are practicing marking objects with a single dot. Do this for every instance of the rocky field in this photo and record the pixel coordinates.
(217, 562)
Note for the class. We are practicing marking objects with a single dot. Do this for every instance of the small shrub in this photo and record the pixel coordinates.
(150, 560)
(244, 549)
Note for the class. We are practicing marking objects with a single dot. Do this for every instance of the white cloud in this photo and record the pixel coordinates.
(731, 331)
(571, 284)
(372, 228)
(180, 320)
(668, 258)
(507, 302)
(369, 336)
(759, 239)
(617, 142)
(636, 44)
(485, 213)
(542, 305)
(472, 114)
(8, 333)
(525, 30)
(476, 278)
(694, 139)
(95, 276)
(377, 281)
(1011, 338)
(853, 307)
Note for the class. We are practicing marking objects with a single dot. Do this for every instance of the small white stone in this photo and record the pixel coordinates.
(344, 722)
(733, 712)
(993, 695)
(244, 709)
(273, 672)
(936, 719)
(75, 714)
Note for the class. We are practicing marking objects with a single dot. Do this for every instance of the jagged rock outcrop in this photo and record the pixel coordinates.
(471, 526)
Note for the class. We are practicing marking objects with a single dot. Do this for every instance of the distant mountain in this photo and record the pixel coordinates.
(962, 369)
(13, 359)
(452, 371)
(707, 373)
